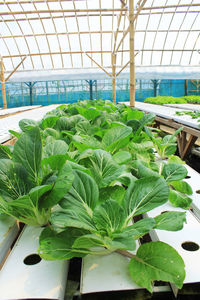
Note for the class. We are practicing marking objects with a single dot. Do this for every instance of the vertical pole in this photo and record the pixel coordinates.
(155, 84)
(132, 55)
(31, 93)
(65, 89)
(47, 92)
(3, 84)
(22, 93)
(96, 89)
(58, 87)
(114, 77)
(185, 86)
(91, 89)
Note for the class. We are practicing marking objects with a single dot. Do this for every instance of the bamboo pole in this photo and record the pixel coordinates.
(125, 65)
(3, 83)
(114, 77)
(48, 11)
(104, 51)
(134, 18)
(123, 68)
(15, 69)
(98, 65)
(103, 15)
(117, 31)
(132, 56)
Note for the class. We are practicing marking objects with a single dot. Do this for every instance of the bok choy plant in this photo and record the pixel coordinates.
(86, 223)
(33, 178)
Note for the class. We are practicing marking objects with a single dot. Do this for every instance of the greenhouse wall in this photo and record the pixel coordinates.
(44, 93)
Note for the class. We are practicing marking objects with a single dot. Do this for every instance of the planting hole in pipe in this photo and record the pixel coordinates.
(32, 259)
(165, 211)
(198, 191)
(190, 246)
(187, 177)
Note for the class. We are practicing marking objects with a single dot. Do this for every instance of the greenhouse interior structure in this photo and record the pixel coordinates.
(99, 149)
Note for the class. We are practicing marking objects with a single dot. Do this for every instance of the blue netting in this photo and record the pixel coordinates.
(44, 93)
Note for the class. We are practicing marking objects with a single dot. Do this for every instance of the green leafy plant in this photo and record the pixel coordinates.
(164, 146)
(192, 114)
(85, 225)
(173, 173)
(165, 100)
(29, 184)
(86, 170)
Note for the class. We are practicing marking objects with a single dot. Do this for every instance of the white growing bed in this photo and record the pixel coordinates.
(13, 110)
(11, 123)
(192, 107)
(43, 280)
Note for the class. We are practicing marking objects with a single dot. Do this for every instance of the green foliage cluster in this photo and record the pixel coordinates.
(192, 99)
(165, 100)
(85, 170)
(173, 100)
(192, 114)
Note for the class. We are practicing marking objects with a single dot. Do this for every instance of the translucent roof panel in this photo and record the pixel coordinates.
(83, 34)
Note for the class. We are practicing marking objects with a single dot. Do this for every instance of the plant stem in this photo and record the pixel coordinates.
(125, 253)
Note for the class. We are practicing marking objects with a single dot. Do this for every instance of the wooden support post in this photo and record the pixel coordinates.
(3, 83)
(190, 143)
(114, 77)
(132, 56)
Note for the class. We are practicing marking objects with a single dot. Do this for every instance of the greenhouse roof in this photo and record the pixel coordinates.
(75, 39)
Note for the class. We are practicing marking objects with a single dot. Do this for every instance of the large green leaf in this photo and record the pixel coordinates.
(27, 124)
(23, 209)
(49, 121)
(140, 170)
(173, 172)
(109, 217)
(116, 138)
(115, 192)
(89, 241)
(5, 152)
(57, 147)
(68, 123)
(13, 179)
(37, 192)
(182, 186)
(83, 142)
(179, 200)
(103, 167)
(56, 162)
(122, 157)
(134, 124)
(28, 152)
(58, 246)
(135, 114)
(85, 128)
(170, 220)
(15, 133)
(138, 229)
(84, 193)
(91, 113)
(73, 217)
(145, 194)
(61, 186)
(147, 119)
(157, 261)
(51, 132)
